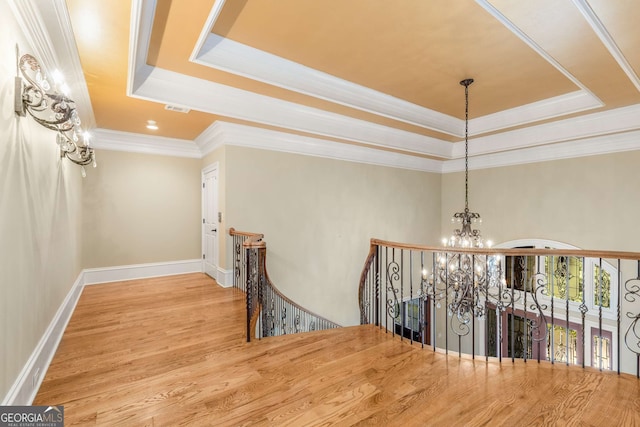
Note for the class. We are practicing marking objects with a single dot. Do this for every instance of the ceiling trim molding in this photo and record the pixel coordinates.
(537, 48)
(141, 25)
(206, 29)
(169, 87)
(600, 145)
(239, 59)
(265, 139)
(230, 134)
(222, 134)
(29, 17)
(608, 41)
(105, 139)
(619, 120)
(536, 111)
(211, 138)
(218, 52)
(49, 32)
(236, 58)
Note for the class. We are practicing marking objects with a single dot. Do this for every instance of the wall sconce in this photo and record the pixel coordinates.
(53, 110)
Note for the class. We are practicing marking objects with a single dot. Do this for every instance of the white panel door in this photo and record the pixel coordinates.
(210, 222)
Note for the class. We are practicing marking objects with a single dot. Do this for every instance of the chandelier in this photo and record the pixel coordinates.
(53, 110)
(466, 281)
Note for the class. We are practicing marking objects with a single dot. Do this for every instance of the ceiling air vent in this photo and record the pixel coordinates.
(176, 108)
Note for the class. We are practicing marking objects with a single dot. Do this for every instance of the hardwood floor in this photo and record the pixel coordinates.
(172, 351)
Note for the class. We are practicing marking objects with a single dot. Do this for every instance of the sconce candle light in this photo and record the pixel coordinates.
(53, 110)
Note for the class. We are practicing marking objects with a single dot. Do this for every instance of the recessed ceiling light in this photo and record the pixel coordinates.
(151, 124)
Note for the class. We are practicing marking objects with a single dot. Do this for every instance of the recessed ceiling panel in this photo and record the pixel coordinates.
(414, 50)
(560, 29)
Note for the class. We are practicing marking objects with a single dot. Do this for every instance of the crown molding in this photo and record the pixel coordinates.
(607, 40)
(600, 145)
(105, 139)
(619, 120)
(222, 134)
(173, 88)
(211, 138)
(251, 137)
(51, 37)
(168, 87)
(550, 108)
(29, 17)
(164, 86)
(230, 134)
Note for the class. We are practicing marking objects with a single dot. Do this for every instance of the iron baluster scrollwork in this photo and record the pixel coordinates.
(238, 260)
(296, 324)
(632, 334)
(393, 275)
(539, 330)
(270, 324)
(283, 320)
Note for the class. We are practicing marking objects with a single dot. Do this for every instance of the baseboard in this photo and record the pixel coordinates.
(141, 271)
(225, 278)
(26, 386)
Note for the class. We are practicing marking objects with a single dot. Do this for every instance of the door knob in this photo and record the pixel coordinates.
(214, 230)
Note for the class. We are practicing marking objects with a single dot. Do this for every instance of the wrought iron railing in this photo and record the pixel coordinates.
(269, 312)
(239, 256)
(562, 305)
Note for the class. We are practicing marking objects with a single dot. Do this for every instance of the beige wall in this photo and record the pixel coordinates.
(589, 202)
(40, 217)
(318, 216)
(141, 208)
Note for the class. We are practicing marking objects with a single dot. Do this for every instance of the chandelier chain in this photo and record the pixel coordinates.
(466, 146)
(466, 83)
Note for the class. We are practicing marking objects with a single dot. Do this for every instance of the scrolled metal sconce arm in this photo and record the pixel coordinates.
(54, 111)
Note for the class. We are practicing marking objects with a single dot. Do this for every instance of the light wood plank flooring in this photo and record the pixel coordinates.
(171, 351)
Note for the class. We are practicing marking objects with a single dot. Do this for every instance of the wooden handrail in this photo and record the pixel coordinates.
(234, 232)
(363, 279)
(513, 251)
(253, 240)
